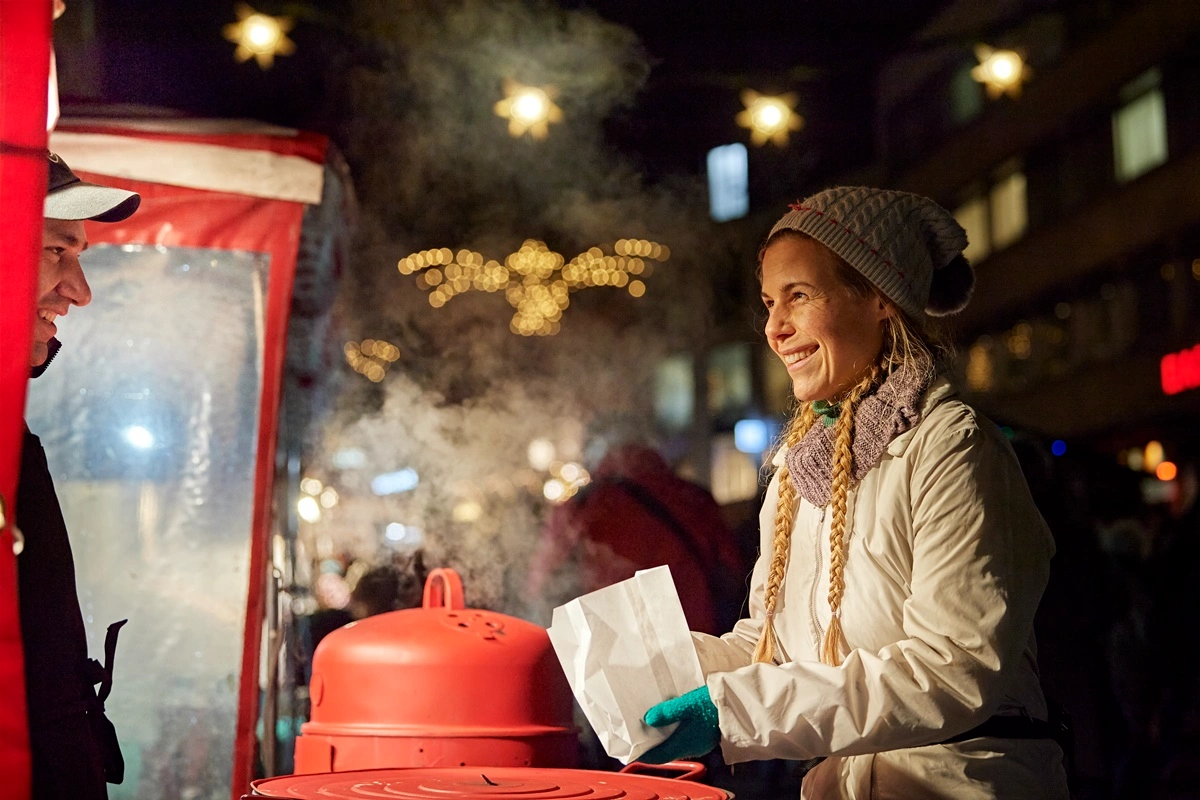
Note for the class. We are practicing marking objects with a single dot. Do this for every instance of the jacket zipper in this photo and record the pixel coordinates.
(816, 581)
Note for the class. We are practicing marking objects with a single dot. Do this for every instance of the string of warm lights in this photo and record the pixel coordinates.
(565, 482)
(371, 357)
(536, 281)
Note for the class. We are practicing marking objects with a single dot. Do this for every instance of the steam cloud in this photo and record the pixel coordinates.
(434, 167)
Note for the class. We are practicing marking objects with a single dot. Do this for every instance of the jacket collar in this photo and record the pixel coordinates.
(52, 348)
(941, 389)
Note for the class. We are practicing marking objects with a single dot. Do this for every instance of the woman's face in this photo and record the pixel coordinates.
(827, 335)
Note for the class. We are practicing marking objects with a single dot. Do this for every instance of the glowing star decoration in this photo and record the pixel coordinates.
(1000, 71)
(260, 36)
(371, 357)
(536, 281)
(769, 118)
(528, 108)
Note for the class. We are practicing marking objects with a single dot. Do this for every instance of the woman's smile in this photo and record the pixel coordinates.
(795, 359)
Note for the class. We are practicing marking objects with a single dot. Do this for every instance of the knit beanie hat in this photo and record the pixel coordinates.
(907, 245)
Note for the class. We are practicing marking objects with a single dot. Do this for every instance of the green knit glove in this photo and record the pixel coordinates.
(699, 730)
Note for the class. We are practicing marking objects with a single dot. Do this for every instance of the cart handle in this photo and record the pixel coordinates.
(691, 770)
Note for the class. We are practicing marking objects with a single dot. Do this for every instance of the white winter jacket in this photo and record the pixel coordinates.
(946, 561)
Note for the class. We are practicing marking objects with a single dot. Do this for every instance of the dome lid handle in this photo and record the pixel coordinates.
(443, 589)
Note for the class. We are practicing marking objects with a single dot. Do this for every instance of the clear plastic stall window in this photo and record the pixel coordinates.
(149, 416)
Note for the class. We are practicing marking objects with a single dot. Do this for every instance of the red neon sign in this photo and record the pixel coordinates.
(1181, 371)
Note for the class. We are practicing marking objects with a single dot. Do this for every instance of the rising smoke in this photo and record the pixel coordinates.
(435, 167)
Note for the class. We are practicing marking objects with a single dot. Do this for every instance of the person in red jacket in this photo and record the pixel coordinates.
(635, 514)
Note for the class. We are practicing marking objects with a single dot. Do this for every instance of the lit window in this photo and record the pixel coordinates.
(973, 216)
(674, 394)
(730, 387)
(1140, 128)
(777, 384)
(728, 182)
(734, 474)
(966, 95)
(1009, 211)
(981, 371)
(751, 436)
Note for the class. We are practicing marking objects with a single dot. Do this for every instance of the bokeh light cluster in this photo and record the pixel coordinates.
(565, 481)
(536, 281)
(371, 357)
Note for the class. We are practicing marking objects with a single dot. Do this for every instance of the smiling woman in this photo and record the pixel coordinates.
(907, 662)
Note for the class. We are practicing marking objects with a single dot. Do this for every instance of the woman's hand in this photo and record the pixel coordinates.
(698, 732)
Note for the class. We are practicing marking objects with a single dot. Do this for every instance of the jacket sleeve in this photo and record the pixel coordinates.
(980, 563)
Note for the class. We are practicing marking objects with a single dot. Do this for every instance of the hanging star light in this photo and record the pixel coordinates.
(528, 108)
(1000, 71)
(260, 36)
(536, 281)
(769, 118)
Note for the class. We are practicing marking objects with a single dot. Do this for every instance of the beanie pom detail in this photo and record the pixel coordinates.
(951, 288)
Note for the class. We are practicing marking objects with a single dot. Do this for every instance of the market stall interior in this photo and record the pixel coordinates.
(439, 314)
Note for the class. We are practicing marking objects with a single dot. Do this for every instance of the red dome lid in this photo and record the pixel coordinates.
(440, 670)
(489, 783)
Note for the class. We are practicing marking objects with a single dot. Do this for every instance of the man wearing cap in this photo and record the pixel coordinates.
(73, 745)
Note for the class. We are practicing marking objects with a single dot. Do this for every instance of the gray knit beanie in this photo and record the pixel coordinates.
(907, 245)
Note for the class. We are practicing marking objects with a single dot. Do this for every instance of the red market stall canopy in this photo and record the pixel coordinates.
(160, 417)
(24, 73)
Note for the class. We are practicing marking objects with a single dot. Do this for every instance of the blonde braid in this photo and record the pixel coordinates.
(785, 513)
(842, 462)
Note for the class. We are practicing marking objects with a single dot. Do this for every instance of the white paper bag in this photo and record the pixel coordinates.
(625, 648)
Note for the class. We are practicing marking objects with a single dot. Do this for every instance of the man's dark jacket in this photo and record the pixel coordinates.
(67, 757)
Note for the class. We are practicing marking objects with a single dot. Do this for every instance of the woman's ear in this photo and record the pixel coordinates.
(883, 308)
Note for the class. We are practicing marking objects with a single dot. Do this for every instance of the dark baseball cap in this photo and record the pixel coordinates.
(67, 197)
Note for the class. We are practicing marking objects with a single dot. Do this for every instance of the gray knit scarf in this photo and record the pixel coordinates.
(888, 411)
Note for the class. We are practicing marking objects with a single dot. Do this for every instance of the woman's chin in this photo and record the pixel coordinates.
(807, 395)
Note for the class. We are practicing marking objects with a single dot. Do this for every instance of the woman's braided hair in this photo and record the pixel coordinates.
(780, 544)
(904, 343)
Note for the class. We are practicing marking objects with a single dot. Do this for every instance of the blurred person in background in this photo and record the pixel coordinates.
(1076, 613)
(891, 611)
(636, 513)
(385, 588)
(1174, 644)
(73, 745)
(378, 590)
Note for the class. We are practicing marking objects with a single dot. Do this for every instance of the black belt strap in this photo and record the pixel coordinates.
(110, 656)
(1007, 728)
(103, 730)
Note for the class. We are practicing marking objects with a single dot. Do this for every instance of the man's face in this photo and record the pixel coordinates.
(61, 283)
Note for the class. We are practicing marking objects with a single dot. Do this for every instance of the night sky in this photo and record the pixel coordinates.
(702, 54)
